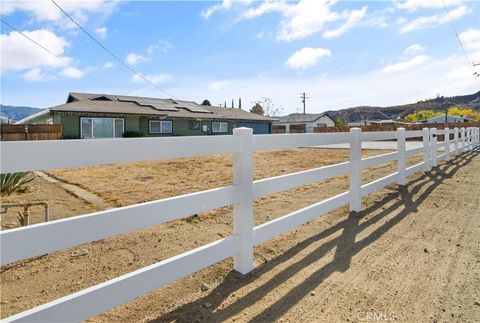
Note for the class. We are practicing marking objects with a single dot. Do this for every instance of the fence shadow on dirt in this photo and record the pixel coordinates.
(403, 201)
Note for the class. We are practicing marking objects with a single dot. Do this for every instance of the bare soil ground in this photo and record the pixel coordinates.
(412, 255)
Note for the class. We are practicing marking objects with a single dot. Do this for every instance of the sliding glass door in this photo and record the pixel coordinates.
(101, 128)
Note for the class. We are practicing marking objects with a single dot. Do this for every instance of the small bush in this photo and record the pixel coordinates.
(133, 134)
(14, 182)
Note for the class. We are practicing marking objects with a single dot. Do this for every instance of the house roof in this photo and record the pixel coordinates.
(169, 108)
(450, 118)
(33, 116)
(302, 118)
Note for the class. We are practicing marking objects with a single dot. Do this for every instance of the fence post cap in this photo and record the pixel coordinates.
(243, 131)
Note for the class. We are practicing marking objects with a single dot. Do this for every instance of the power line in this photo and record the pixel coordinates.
(35, 42)
(304, 98)
(112, 54)
(461, 44)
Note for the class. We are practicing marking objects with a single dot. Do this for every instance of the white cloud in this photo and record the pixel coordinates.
(71, 72)
(134, 59)
(162, 46)
(414, 49)
(306, 17)
(108, 65)
(413, 5)
(101, 32)
(471, 39)
(405, 65)
(18, 53)
(34, 75)
(222, 6)
(307, 57)
(433, 21)
(266, 7)
(154, 78)
(353, 19)
(47, 12)
(217, 85)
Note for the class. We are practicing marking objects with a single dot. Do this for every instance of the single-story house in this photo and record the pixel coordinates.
(308, 120)
(446, 119)
(87, 115)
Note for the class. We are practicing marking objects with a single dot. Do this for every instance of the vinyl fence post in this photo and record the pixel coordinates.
(426, 149)
(401, 147)
(468, 138)
(447, 144)
(356, 170)
(455, 137)
(463, 139)
(243, 210)
(434, 147)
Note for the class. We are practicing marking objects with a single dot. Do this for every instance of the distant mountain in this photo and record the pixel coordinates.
(15, 113)
(398, 112)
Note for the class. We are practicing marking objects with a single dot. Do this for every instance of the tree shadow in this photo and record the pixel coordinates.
(403, 201)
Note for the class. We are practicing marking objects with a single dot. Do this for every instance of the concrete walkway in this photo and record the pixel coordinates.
(77, 191)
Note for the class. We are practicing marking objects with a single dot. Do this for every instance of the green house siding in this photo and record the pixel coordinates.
(180, 127)
(132, 123)
(70, 125)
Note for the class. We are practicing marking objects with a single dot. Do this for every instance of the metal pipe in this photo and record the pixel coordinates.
(26, 210)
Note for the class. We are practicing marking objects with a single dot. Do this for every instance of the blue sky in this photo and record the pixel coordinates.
(342, 53)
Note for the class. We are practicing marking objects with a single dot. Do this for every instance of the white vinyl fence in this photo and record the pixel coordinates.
(34, 240)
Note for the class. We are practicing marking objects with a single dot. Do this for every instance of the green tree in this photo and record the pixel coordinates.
(422, 115)
(206, 102)
(258, 109)
(340, 122)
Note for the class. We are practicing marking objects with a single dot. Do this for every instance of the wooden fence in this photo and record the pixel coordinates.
(30, 241)
(19, 132)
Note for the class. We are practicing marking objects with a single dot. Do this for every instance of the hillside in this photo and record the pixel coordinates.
(15, 113)
(398, 112)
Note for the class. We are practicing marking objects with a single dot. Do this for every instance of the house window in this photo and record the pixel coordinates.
(193, 125)
(160, 126)
(219, 127)
(101, 128)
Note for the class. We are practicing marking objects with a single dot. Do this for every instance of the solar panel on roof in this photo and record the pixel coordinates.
(163, 107)
(192, 107)
(158, 104)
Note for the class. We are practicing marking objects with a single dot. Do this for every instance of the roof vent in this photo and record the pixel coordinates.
(101, 98)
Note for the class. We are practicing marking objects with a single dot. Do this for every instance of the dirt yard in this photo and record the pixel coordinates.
(412, 255)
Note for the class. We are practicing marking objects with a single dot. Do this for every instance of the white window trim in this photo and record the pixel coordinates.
(91, 135)
(161, 126)
(220, 122)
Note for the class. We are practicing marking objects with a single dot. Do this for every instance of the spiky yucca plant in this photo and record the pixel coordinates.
(14, 182)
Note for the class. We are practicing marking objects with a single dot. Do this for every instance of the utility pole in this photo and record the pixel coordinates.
(239, 103)
(304, 98)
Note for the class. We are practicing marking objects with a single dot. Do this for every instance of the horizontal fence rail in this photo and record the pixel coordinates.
(17, 156)
(70, 232)
(38, 239)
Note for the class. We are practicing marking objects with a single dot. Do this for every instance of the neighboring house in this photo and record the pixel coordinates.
(308, 120)
(87, 115)
(447, 119)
